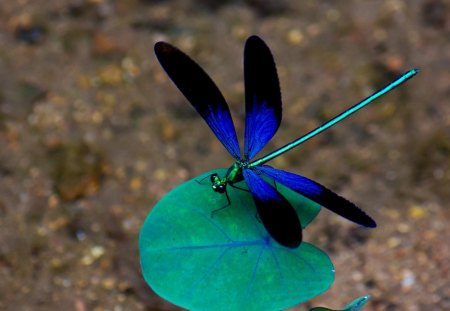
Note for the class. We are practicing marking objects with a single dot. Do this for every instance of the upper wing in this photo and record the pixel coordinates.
(262, 96)
(320, 194)
(201, 92)
(277, 215)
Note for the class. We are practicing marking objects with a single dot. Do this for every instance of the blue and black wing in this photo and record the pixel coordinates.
(202, 93)
(262, 96)
(276, 213)
(319, 194)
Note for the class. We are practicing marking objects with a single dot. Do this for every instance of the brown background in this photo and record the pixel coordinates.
(92, 134)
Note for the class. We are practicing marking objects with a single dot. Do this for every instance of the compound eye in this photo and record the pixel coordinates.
(213, 177)
(221, 189)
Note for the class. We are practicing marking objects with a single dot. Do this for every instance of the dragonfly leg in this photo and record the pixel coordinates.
(203, 179)
(236, 187)
(223, 207)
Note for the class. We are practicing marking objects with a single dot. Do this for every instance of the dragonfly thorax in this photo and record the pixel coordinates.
(234, 174)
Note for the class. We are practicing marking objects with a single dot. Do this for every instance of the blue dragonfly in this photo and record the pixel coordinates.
(263, 117)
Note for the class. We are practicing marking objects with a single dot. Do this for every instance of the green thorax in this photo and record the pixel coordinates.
(234, 175)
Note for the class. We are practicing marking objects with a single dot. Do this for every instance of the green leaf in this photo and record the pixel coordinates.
(227, 260)
(355, 305)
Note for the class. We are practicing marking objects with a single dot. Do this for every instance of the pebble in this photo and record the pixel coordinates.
(109, 283)
(403, 228)
(408, 279)
(110, 75)
(103, 44)
(95, 253)
(393, 242)
(295, 37)
(417, 212)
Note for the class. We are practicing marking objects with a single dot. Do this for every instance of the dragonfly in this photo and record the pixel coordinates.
(263, 110)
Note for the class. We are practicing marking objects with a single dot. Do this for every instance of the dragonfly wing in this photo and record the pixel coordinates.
(262, 96)
(276, 213)
(319, 194)
(202, 93)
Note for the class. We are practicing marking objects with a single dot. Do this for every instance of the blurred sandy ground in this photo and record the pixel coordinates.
(92, 134)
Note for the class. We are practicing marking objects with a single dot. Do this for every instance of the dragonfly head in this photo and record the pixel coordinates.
(218, 185)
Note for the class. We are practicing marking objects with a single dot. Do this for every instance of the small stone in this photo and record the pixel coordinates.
(416, 212)
(403, 228)
(80, 305)
(94, 253)
(58, 223)
(111, 75)
(87, 260)
(408, 279)
(103, 44)
(53, 201)
(160, 174)
(239, 32)
(97, 251)
(109, 283)
(392, 213)
(167, 130)
(393, 242)
(130, 68)
(357, 276)
(136, 183)
(56, 263)
(295, 37)
(314, 30)
(394, 63)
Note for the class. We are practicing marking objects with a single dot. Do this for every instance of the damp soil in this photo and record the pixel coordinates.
(93, 134)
